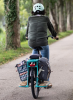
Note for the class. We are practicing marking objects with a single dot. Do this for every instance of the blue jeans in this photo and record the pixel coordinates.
(44, 51)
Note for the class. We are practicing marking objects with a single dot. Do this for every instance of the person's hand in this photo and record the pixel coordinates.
(26, 38)
(57, 38)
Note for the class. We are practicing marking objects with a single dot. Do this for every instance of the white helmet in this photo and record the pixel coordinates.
(38, 6)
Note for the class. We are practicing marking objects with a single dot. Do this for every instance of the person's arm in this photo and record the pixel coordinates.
(26, 35)
(51, 28)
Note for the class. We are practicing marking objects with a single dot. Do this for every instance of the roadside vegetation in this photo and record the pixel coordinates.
(8, 55)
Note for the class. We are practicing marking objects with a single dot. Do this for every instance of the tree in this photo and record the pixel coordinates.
(37, 1)
(68, 14)
(46, 5)
(12, 23)
(71, 14)
(52, 14)
(61, 16)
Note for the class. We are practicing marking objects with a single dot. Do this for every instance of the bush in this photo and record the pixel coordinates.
(22, 35)
(2, 40)
(1, 30)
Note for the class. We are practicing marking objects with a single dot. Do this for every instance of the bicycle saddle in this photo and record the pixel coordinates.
(38, 48)
(35, 56)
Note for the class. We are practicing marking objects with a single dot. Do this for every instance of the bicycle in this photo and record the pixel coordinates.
(32, 75)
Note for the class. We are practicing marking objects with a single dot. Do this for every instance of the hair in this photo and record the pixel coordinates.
(38, 12)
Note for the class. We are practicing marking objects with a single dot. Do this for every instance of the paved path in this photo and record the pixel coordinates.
(61, 61)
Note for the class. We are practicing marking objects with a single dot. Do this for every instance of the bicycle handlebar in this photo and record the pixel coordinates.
(52, 37)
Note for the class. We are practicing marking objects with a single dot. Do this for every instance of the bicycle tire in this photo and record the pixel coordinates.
(34, 93)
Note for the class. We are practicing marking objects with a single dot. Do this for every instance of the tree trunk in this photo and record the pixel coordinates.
(65, 17)
(16, 28)
(57, 15)
(52, 16)
(37, 1)
(61, 17)
(69, 15)
(12, 24)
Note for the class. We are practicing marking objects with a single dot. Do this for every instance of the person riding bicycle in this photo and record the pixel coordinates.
(37, 31)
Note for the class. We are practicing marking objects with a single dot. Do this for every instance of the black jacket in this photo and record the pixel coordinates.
(37, 30)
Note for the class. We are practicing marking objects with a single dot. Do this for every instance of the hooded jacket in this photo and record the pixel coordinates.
(37, 31)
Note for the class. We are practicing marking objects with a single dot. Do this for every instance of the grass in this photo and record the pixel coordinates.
(64, 34)
(9, 55)
(6, 56)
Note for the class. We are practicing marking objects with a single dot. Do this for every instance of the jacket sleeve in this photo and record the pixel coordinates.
(27, 29)
(51, 28)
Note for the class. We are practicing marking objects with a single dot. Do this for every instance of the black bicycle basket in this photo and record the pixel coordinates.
(44, 69)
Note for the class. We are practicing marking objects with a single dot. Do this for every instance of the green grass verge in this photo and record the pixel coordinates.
(9, 55)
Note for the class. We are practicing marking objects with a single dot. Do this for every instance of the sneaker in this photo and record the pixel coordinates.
(23, 83)
(49, 85)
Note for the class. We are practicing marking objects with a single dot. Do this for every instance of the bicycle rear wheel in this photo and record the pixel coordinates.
(35, 90)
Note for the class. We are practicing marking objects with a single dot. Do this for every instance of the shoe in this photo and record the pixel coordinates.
(23, 83)
(49, 85)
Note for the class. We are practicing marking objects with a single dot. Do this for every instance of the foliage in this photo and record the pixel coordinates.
(1, 31)
(53, 2)
(2, 40)
(22, 34)
(10, 11)
(1, 9)
(27, 4)
(46, 5)
(23, 16)
(25, 11)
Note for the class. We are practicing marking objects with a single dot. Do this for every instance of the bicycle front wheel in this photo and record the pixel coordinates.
(35, 90)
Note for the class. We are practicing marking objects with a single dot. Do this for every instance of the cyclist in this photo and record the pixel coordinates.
(37, 32)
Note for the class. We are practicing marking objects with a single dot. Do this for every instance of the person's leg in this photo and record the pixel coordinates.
(34, 51)
(45, 51)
